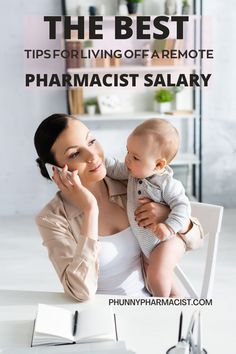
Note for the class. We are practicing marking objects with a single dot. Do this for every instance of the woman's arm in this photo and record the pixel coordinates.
(75, 261)
(73, 254)
(149, 213)
(81, 198)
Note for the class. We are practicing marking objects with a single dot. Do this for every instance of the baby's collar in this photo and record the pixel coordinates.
(167, 171)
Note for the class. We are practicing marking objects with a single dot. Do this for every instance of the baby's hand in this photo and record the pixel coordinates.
(162, 231)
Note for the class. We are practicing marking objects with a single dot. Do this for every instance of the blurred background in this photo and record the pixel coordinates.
(23, 191)
(207, 124)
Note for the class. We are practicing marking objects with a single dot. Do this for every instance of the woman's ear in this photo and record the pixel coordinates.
(160, 164)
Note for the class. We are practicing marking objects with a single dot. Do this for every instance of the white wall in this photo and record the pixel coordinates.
(219, 109)
(22, 190)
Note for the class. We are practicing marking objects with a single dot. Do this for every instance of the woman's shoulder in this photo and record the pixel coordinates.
(61, 210)
(52, 211)
(115, 186)
(55, 203)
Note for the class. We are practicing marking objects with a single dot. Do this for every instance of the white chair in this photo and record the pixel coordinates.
(210, 217)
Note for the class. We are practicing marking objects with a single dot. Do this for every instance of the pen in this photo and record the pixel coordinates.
(180, 327)
(75, 322)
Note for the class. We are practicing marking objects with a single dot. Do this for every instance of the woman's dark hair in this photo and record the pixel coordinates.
(45, 136)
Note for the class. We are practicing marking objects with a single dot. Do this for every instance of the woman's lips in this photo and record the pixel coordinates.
(96, 168)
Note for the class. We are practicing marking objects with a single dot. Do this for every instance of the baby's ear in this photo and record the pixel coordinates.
(160, 164)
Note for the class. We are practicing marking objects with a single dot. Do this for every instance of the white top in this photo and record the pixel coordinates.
(120, 265)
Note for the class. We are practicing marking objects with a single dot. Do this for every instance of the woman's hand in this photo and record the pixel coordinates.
(149, 214)
(74, 191)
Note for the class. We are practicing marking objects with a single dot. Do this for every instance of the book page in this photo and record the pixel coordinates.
(54, 321)
(96, 323)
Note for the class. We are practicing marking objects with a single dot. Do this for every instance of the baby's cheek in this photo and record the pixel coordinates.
(141, 173)
(139, 170)
(127, 162)
(146, 171)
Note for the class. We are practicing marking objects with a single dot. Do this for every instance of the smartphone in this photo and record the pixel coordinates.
(50, 170)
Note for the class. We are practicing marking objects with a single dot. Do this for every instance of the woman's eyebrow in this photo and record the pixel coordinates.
(76, 146)
(70, 147)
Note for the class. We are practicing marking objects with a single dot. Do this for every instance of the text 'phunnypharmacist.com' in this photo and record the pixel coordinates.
(160, 302)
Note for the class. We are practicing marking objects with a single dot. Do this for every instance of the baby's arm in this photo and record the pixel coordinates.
(116, 169)
(174, 196)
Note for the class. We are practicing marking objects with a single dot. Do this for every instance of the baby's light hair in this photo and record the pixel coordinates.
(165, 135)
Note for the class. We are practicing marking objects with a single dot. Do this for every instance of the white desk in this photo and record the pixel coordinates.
(147, 330)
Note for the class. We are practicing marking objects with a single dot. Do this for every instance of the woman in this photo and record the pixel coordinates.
(88, 204)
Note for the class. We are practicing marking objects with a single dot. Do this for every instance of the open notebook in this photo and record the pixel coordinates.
(55, 326)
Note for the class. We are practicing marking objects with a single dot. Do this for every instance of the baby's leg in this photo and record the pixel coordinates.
(162, 262)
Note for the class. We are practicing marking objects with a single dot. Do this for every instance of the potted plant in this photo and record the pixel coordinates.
(175, 102)
(91, 105)
(132, 6)
(164, 97)
(185, 7)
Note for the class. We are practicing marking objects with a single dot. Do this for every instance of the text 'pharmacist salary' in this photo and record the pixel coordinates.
(115, 80)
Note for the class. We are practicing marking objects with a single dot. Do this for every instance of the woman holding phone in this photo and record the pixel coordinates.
(85, 226)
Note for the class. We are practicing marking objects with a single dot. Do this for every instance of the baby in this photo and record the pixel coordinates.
(150, 148)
